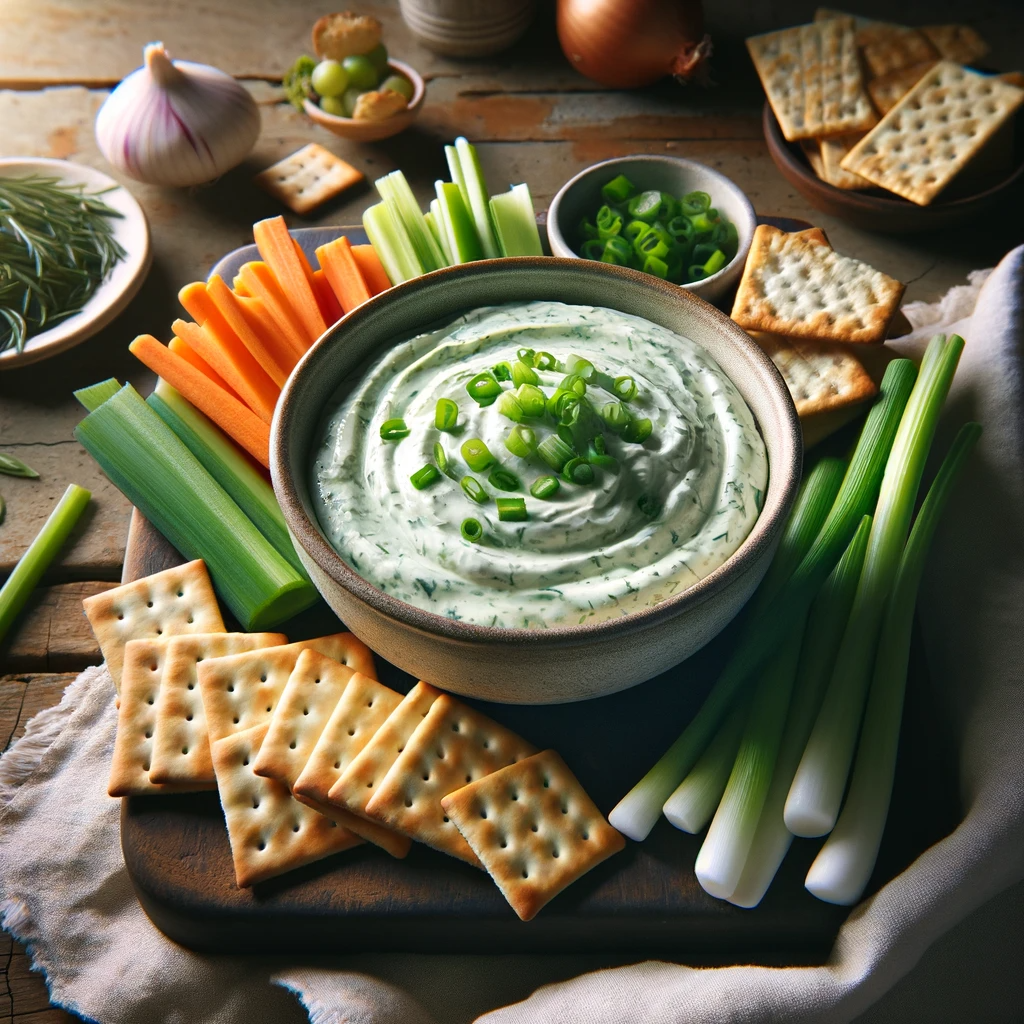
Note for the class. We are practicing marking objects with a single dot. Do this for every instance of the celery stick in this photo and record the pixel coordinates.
(41, 552)
(435, 222)
(474, 193)
(391, 243)
(637, 812)
(159, 475)
(725, 848)
(515, 223)
(229, 466)
(398, 197)
(463, 241)
(824, 632)
(843, 867)
(95, 395)
(817, 790)
(694, 800)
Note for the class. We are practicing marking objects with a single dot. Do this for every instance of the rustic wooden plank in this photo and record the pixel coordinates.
(23, 696)
(53, 634)
(23, 995)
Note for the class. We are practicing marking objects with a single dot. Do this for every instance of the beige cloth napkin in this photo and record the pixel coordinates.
(64, 890)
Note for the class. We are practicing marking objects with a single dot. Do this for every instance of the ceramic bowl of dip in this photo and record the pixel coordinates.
(580, 197)
(503, 662)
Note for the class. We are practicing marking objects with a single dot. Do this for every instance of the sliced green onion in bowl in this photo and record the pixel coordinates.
(521, 441)
(618, 190)
(545, 487)
(424, 477)
(715, 262)
(473, 489)
(446, 414)
(694, 203)
(394, 429)
(657, 267)
(471, 530)
(609, 222)
(503, 479)
(476, 453)
(511, 510)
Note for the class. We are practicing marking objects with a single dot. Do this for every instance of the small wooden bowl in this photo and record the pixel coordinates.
(374, 131)
(876, 209)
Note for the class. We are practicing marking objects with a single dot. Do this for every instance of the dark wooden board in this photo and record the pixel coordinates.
(645, 901)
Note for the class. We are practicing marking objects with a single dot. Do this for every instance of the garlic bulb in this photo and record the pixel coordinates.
(176, 123)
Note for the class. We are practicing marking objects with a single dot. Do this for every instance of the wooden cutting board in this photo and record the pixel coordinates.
(645, 900)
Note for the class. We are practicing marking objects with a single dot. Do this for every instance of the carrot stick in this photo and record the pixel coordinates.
(239, 288)
(182, 348)
(234, 418)
(277, 248)
(343, 273)
(260, 280)
(369, 263)
(227, 354)
(260, 342)
(328, 301)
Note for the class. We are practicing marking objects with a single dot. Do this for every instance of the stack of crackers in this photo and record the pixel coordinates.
(311, 755)
(879, 105)
(818, 315)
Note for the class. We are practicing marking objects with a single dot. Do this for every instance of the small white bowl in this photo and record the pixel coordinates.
(581, 197)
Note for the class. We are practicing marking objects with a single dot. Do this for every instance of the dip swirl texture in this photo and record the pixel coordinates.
(591, 553)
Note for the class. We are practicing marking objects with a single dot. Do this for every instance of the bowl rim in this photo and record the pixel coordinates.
(308, 535)
(419, 90)
(554, 231)
(782, 149)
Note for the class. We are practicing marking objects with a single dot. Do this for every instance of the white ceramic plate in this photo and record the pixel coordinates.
(130, 230)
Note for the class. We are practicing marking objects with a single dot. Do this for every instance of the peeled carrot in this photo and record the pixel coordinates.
(277, 247)
(343, 273)
(239, 288)
(254, 335)
(234, 418)
(227, 354)
(328, 301)
(260, 280)
(182, 348)
(373, 271)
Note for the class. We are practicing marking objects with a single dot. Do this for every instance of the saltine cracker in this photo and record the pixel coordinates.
(307, 178)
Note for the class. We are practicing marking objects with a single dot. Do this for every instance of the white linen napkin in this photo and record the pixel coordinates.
(64, 890)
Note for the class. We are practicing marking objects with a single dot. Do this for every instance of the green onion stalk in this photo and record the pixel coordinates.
(843, 867)
(820, 780)
(822, 637)
(636, 814)
(26, 575)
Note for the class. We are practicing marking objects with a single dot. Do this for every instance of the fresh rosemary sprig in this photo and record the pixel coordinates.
(56, 247)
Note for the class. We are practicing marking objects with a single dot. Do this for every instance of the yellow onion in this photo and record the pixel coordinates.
(176, 122)
(625, 44)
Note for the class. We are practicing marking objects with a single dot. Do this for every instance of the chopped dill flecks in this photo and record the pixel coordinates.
(428, 586)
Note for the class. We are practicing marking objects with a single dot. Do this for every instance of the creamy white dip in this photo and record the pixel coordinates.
(589, 554)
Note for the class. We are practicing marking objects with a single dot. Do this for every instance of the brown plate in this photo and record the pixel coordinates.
(878, 210)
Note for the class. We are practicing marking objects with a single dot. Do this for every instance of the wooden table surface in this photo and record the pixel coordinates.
(533, 118)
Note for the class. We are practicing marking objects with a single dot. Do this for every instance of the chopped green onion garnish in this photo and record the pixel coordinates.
(574, 384)
(523, 373)
(394, 429)
(578, 471)
(532, 400)
(646, 206)
(657, 267)
(555, 452)
(615, 415)
(617, 251)
(609, 223)
(580, 367)
(648, 505)
(502, 371)
(618, 190)
(508, 405)
(637, 431)
(442, 461)
(605, 462)
(544, 487)
(526, 355)
(471, 530)
(476, 453)
(511, 510)
(483, 388)
(694, 203)
(473, 489)
(588, 231)
(521, 441)
(681, 228)
(545, 361)
(424, 477)
(715, 262)
(625, 388)
(446, 414)
(559, 402)
(503, 479)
